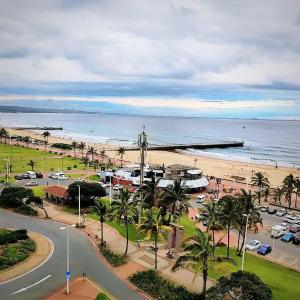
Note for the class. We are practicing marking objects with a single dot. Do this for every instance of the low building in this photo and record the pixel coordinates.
(57, 194)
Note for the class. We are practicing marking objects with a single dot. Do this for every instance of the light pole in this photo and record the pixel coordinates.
(110, 190)
(244, 247)
(68, 273)
(79, 196)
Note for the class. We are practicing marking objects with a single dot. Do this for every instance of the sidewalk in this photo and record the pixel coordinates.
(139, 258)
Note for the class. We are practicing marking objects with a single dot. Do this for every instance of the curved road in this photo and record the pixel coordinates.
(51, 275)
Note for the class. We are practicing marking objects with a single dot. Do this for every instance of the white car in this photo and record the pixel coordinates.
(117, 187)
(281, 212)
(79, 179)
(63, 177)
(200, 198)
(253, 245)
(31, 183)
(284, 225)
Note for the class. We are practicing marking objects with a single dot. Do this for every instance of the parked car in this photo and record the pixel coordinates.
(18, 177)
(284, 225)
(296, 239)
(281, 212)
(200, 198)
(25, 176)
(253, 245)
(79, 179)
(271, 211)
(204, 222)
(295, 228)
(117, 187)
(277, 231)
(291, 219)
(264, 208)
(264, 249)
(31, 183)
(63, 177)
(39, 175)
(287, 237)
(31, 174)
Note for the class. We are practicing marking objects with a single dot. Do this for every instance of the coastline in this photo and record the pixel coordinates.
(210, 165)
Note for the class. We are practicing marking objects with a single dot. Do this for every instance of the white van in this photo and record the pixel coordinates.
(31, 174)
(277, 231)
(291, 219)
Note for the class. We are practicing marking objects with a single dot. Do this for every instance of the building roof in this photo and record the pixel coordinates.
(57, 191)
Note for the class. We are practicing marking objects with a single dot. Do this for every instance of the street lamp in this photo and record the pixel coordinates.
(244, 248)
(79, 196)
(68, 273)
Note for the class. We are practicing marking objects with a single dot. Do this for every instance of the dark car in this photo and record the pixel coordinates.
(39, 175)
(264, 249)
(18, 177)
(271, 211)
(296, 239)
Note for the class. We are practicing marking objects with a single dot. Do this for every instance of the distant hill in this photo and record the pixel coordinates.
(24, 109)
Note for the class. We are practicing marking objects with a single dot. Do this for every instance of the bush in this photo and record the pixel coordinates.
(12, 197)
(62, 146)
(241, 285)
(113, 258)
(158, 287)
(75, 166)
(69, 168)
(10, 237)
(26, 210)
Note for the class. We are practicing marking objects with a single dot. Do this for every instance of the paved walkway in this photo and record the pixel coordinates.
(139, 258)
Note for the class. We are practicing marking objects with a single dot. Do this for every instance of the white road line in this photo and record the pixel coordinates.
(28, 287)
(43, 262)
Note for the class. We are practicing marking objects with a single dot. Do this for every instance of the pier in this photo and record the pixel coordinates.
(172, 147)
(37, 128)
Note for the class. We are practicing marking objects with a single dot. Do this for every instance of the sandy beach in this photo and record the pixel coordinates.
(210, 166)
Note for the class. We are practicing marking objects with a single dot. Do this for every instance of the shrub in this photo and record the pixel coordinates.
(75, 166)
(158, 287)
(26, 210)
(69, 168)
(62, 146)
(113, 258)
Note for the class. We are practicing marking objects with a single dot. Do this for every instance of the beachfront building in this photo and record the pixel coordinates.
(57, 194)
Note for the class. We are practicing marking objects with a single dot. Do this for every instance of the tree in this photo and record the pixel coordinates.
(261, 182)
(26, 140)
(102, 155)
(12, 197)
(297, 189)
(266, 193)
(46, 135)
(175, 196)
(3, 134)
(89, 191)
(288, 188)
(122, 210)
(198, 254)
(74, 146)
(85, 160)
(228, 215)
(277, 194)
(240, 285)
(101, 210)
(38, 202)
(152, 226)
(151, 192)
(121, 152)
(92, 151)
(32, 164)
(95, 164)
(81, 147)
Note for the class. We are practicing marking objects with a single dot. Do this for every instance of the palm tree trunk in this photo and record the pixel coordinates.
(296, 199)
(205, 275)
(102, 241)
(243, 242)
(155, 245)
(213, 238)
(228, 230)
(238, 245)
(126, 224)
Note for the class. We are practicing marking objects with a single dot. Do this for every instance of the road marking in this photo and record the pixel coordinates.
(28, 287)
(43, 262)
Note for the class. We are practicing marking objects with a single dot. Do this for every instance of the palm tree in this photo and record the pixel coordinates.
(297, 189)
(198, 254)
(3, 134)
(151, 192)
(122, 209)
(102, 155)
(31, 164)
(85, 160)
(228, 215)
(46, 135)
(288, 188)
(95, 164)
(74, 146)
(266, 193)
(101, 210)
(81, 147)
(261, 182)
(121, 152)
(175, 197)
(26, 140)
(277, 194)
(92, 151)
(152, 226)
(213, 221)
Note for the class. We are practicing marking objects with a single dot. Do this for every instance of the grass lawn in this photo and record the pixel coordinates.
(94, 177)
(38, 191)
(10, 179)
(45, 160)
(75, 175)
(102, 296)
(284, 282)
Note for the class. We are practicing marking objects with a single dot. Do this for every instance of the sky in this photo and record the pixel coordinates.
(174, 57)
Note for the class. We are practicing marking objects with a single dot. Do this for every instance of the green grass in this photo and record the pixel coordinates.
(189, 226)
(103, 296)
(75, 175)
(284, 282)
(10, 179)
(94, 177)
(38, 191)
(45, 160)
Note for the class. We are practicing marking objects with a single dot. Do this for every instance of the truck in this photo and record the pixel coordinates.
(277, 231)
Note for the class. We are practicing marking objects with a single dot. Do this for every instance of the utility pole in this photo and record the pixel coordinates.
(143, 144)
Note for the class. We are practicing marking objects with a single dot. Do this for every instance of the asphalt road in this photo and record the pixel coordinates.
(51, 275)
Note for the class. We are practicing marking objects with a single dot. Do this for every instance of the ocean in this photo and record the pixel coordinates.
(266, 141)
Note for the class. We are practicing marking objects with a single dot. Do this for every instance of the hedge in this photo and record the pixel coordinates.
(113, 258)
(26, 210)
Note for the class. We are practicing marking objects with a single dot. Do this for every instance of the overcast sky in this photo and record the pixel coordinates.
(194, 57)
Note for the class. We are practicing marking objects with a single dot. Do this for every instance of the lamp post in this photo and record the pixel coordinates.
(79, 196)
(110, 190)
(244, 247)
(68, 273)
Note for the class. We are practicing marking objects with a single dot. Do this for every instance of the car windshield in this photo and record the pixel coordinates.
(252, 243)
